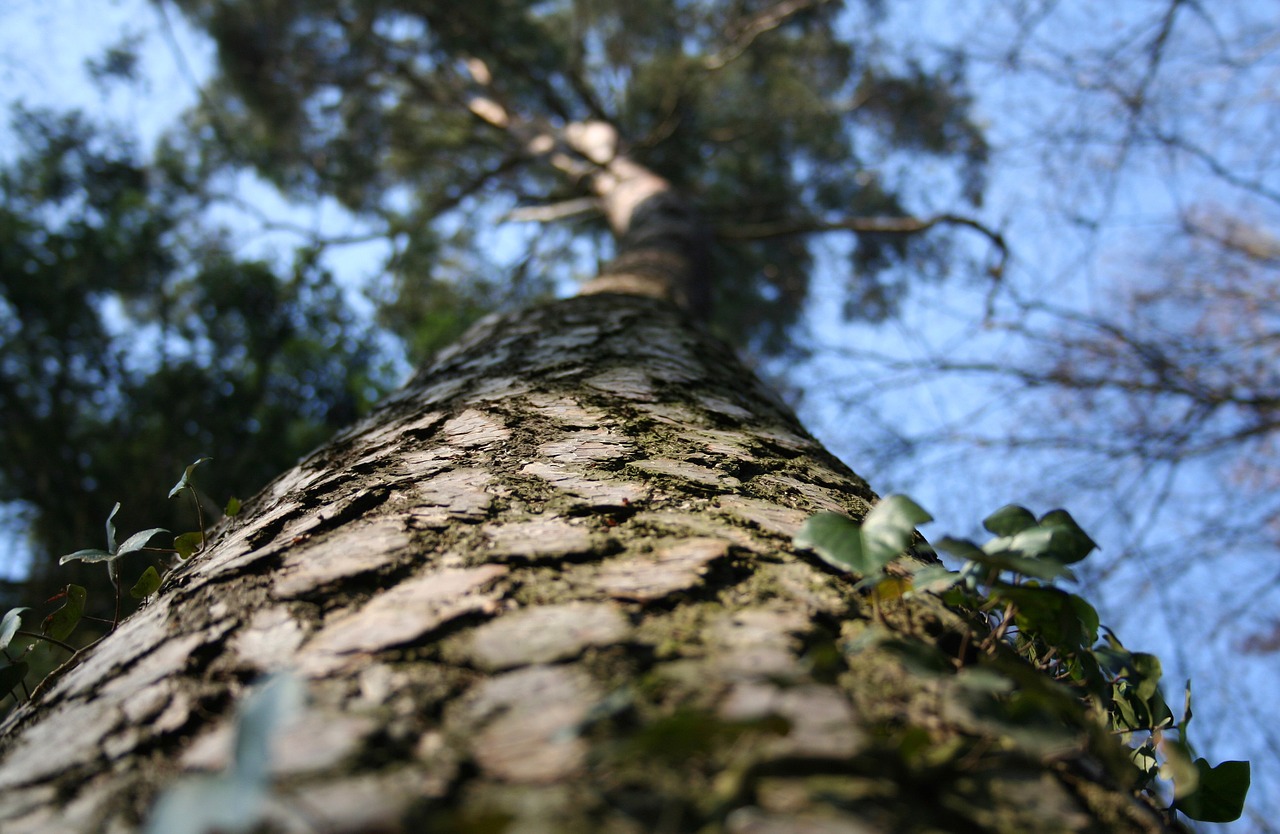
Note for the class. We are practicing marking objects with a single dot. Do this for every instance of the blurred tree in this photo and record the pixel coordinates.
(778, 119)
(134, 341)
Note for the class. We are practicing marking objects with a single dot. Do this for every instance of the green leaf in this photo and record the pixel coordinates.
(233, 801)
(888, 529)
(1178, 768)
(959, 548)
(1146, 674)
(1062, 620)
(919, 658)
(1001, 558)
(1009, 520)
(1032, 543)
(111, 530)
(1126, 720)
(933, 579)
(834, 537)
(1144, 758)
(1069, 543)
(233, 507)
(138, 541)
(187, 544)
(146, 584)
(9, 626)
(11, 676)
(200, 804)
(262, 713)
(1055, 538)
(185, 481)
(61, 623)
(1219, 794)
(983, 679)
(91, 554)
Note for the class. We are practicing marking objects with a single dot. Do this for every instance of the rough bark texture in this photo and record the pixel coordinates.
(548, 587)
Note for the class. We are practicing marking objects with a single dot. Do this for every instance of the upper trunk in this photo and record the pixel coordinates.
(550, 586)
(662, 242)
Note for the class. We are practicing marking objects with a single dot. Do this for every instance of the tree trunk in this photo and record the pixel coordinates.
(550, 587)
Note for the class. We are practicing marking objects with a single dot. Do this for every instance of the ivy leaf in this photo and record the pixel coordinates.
(1143, 672)
(888, 529)
(266, 709)
(1009, 520)
(1178, 768)
(1062, 620)
(1144, 758)
(61, 623)
(187, 544)
(146, 584)
(185, 481)
(867, 547)
(959, 548)
(233, 507)
(9, 626)
(90, 554)
(1068, 544)
(199, 804)
(111, 529)
(233, 801)
(933, 579)
(834, 537)
(1055, 539)
(1219, 794)
(11, 676)
(138, 541)
(1001, 555)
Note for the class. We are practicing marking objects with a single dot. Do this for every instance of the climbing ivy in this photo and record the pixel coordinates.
(58, 626)
(1041, 648)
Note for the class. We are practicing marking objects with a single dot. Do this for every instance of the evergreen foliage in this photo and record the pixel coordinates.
(773, 118)
(133, 339)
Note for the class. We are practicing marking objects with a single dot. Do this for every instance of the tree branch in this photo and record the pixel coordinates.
(766, 21)
(869, 225)
(555, 211)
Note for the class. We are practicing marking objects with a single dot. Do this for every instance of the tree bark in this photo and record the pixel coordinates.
(549, 586)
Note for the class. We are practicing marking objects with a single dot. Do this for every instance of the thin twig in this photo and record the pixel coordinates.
(905, 225)
(46, 638)
(766, 21)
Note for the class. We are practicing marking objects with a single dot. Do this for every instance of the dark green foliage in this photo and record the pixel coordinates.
(61, 623)
(133, 338)
(1041, 676)
(768, 122)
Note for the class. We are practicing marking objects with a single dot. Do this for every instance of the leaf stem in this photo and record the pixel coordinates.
(46, 638)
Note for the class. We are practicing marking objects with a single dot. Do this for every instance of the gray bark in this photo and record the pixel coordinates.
(548, 587)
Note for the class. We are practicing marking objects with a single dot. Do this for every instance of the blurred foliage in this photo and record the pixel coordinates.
(133, 340)
(762, 112)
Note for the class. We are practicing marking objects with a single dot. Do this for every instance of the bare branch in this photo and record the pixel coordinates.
(766, 21)
(869, 225)
(555, 211)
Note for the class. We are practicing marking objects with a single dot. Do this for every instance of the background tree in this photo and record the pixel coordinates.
(774, 119)
(134, 341)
